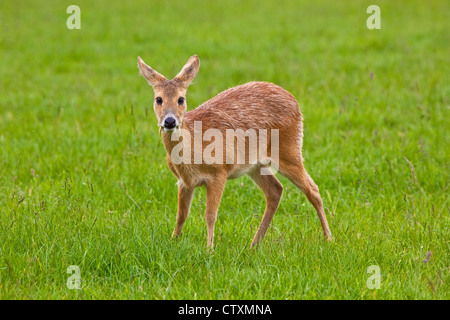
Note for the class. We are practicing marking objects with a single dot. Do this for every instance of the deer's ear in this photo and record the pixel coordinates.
(189, 71)
(152, 77)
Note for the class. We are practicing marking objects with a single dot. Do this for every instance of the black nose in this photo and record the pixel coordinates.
(169, 123)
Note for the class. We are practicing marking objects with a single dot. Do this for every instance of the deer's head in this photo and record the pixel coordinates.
(170, 95)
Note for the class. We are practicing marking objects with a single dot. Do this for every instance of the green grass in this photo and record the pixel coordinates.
(83, 177)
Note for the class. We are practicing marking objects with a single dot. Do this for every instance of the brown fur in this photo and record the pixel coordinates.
(258, 105)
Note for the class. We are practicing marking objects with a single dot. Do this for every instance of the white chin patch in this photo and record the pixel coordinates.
(169, 130)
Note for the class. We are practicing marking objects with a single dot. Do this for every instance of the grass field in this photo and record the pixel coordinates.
(83, 177)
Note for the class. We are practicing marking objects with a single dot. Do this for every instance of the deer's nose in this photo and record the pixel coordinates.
(170, 123)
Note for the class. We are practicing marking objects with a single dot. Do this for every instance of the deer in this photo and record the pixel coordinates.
(260, 105)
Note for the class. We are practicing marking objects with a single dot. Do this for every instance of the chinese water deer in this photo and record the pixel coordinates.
(248, 112)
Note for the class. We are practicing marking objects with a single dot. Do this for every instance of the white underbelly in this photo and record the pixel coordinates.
(240, 170)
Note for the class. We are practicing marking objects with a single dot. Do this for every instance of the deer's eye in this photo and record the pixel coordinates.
(180, 100)
(158, 101)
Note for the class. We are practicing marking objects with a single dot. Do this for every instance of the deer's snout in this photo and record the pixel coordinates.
(170, 122)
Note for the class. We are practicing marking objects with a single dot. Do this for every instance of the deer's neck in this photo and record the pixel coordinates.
(180, 151)
(177, 139)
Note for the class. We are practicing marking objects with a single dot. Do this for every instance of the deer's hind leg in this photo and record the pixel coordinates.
(294, 170)
(273, 190)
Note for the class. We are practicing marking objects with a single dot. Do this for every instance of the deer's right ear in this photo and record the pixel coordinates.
(152, 77)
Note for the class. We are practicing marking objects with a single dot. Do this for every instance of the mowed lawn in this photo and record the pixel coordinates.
(83, 176)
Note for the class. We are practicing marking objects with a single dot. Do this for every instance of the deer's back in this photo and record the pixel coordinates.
(257, 105)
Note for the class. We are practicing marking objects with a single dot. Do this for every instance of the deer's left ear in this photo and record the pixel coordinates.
(189, 71)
